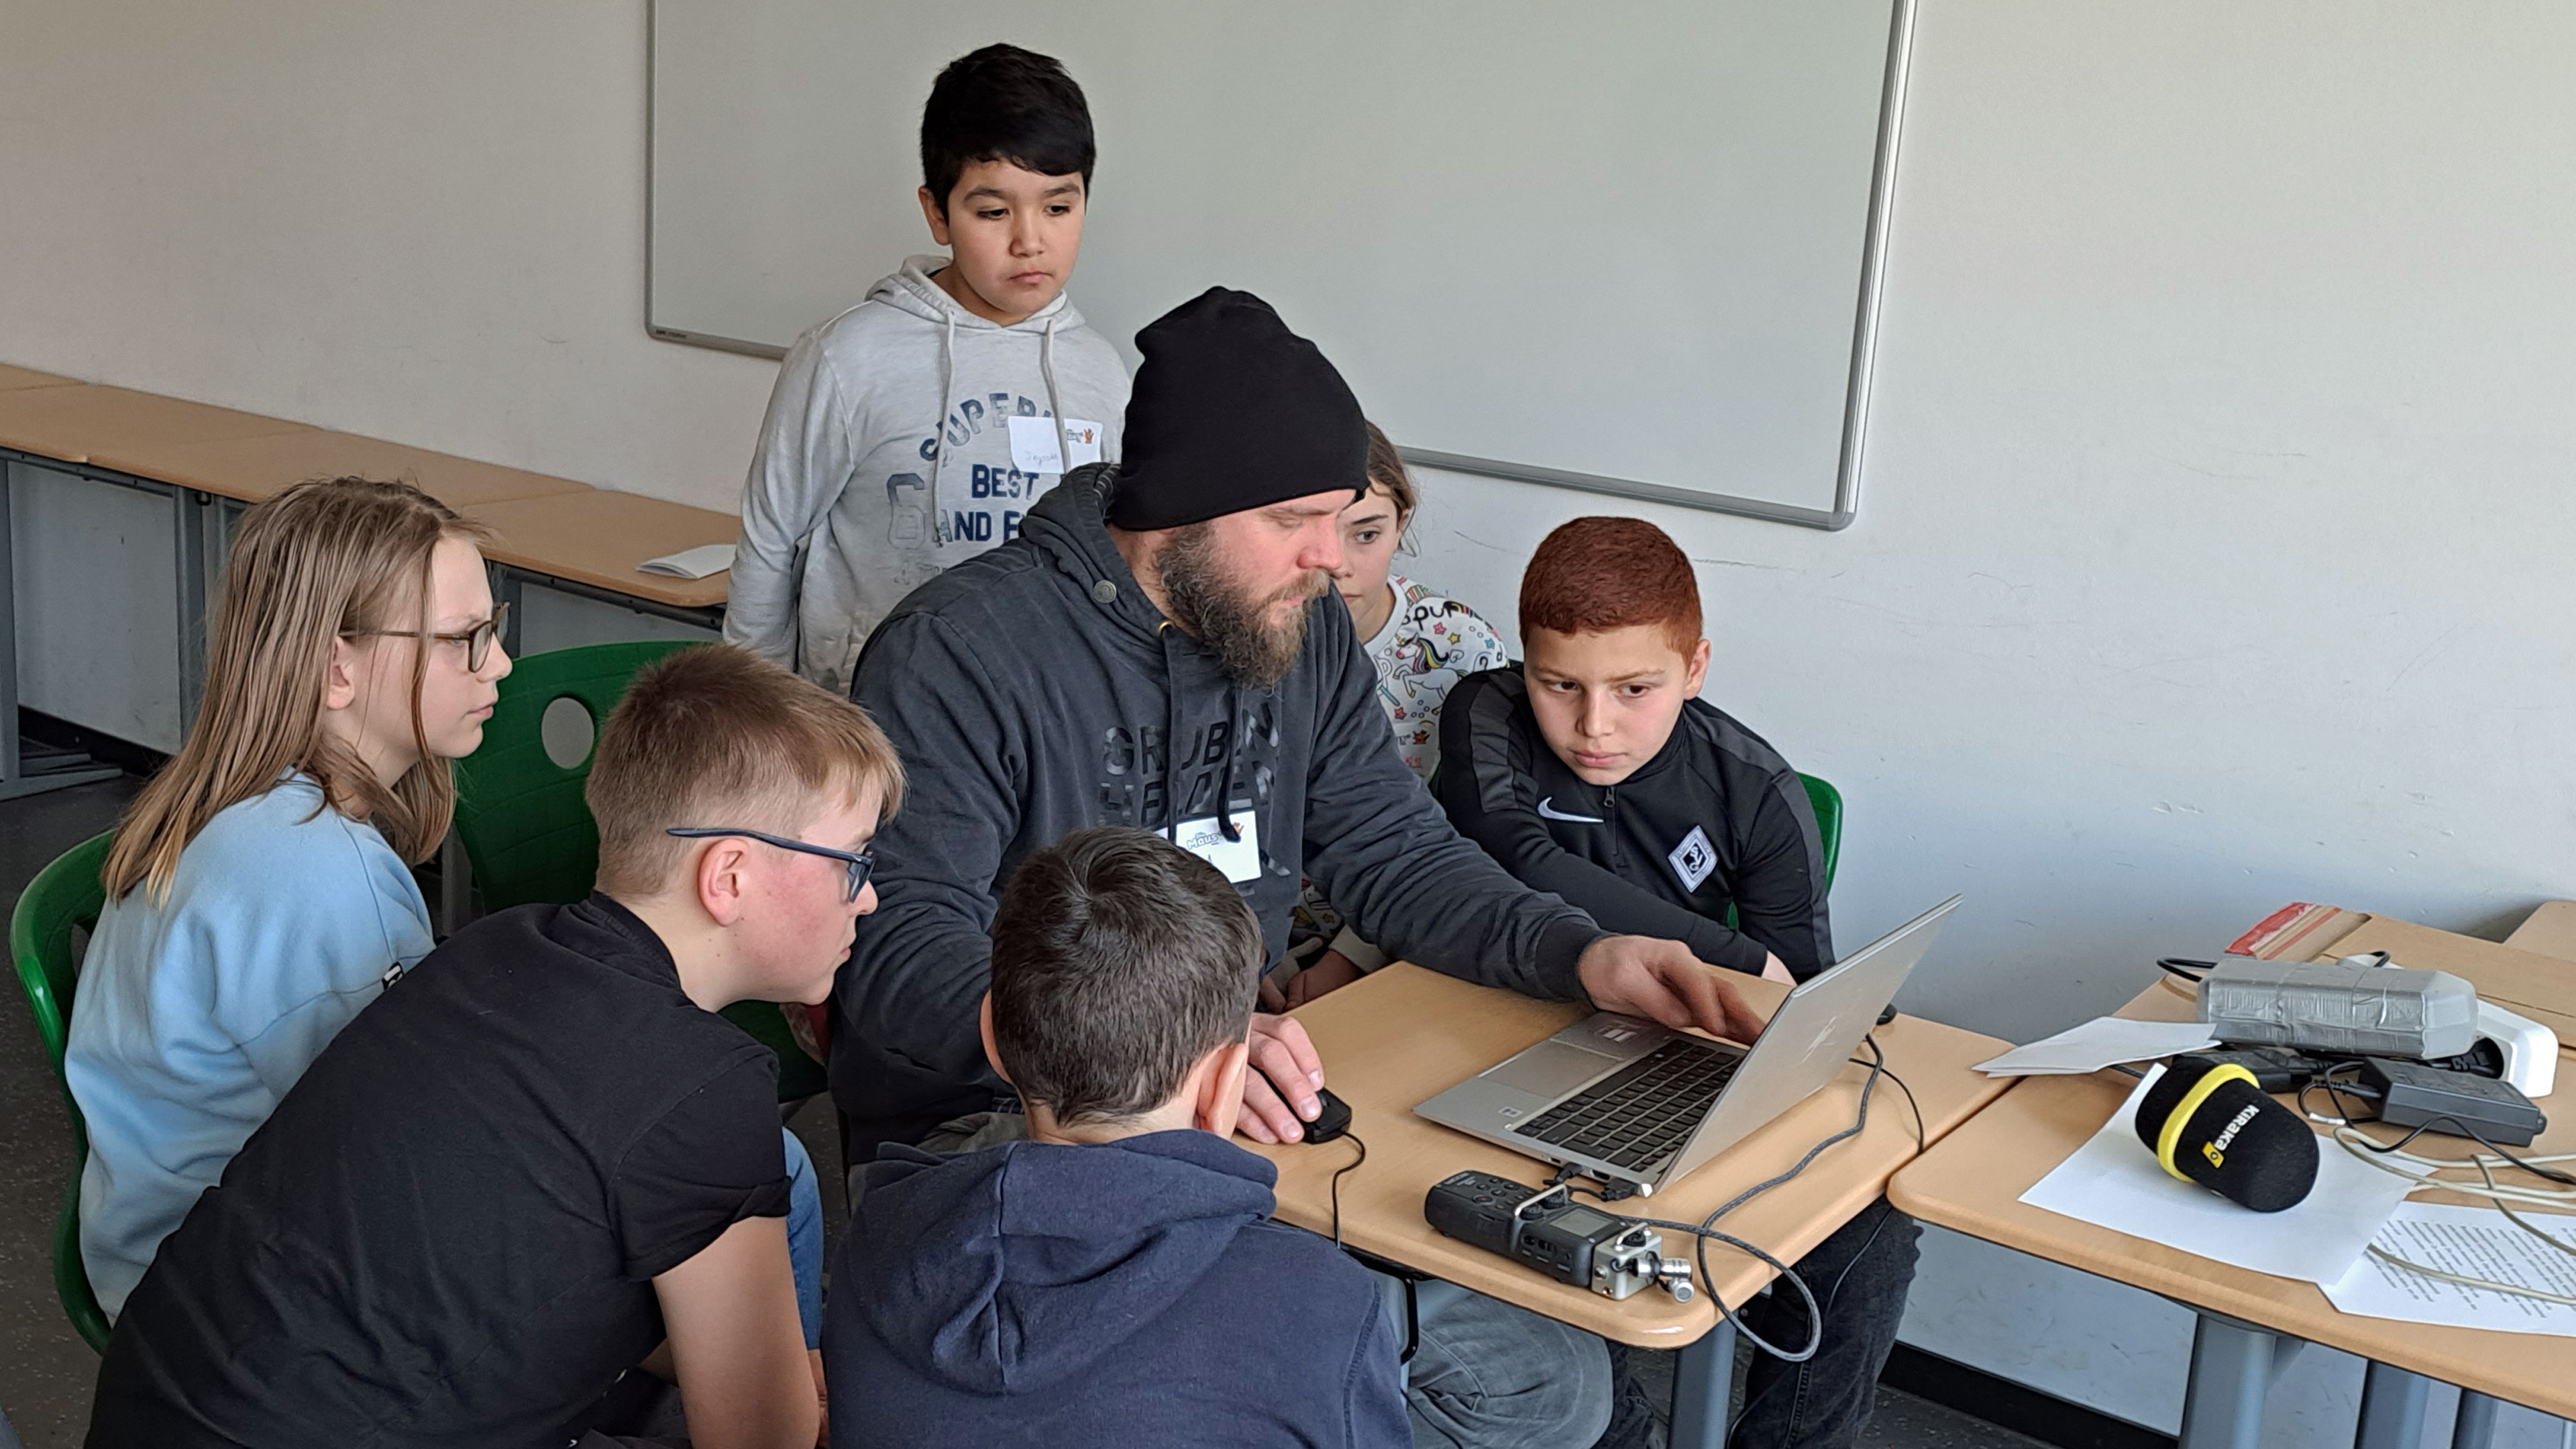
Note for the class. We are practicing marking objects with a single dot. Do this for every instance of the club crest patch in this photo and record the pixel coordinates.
(1693, 859)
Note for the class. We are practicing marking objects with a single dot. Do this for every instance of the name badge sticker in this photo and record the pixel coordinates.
(1239, 858)
(1034, 450)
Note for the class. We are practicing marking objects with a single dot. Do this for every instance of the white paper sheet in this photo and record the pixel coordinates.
(2100, 1043)
(2475, 1242)
(2113, 1180)
(691, 563)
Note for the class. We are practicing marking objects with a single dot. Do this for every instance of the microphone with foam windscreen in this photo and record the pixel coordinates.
(2208, 1122)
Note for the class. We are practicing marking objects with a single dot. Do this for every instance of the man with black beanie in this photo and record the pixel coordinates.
(1160, 648)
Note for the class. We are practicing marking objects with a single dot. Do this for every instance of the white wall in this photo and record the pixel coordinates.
(2215, 523)
(419, 221)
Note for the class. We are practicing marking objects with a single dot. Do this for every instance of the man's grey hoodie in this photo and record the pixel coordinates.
(1034, 690)
(886, 457)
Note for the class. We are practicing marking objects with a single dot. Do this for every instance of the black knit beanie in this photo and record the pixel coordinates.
(1230, 411)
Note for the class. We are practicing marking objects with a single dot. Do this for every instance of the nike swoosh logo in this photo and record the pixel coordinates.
(1546, 813)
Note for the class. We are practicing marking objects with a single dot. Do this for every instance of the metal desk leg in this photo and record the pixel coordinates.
(2231, 1372)
(2392, 1408)
(1704, 1389)
(2474, 1426)
(189, 513)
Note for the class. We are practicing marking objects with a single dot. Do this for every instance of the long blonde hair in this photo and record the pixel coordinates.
(321, 560)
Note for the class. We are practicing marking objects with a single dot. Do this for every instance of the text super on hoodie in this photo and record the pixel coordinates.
(888, 455)
(1129, 1293)
(1036, 691)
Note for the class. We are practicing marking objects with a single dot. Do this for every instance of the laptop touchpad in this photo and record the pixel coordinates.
(1550, 1069)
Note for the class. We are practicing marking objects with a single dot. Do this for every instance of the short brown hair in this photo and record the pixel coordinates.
(717, 731)
(1119, 960)
(1594, 575)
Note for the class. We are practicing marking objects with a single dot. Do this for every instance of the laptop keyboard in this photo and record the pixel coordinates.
(1641, 1114)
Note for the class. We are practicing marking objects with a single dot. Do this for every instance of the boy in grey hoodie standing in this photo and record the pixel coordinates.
(915, 429)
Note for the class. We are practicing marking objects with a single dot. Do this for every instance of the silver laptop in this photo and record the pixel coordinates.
(1621, 1099)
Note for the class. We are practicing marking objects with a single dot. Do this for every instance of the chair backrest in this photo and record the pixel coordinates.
(1828, 805)
(520, 815)
(63, 898)
(528, 833)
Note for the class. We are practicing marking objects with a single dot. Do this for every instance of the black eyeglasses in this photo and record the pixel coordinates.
(477, 640)
(859, 862)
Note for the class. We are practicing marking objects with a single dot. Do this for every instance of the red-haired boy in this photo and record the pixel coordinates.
(1595, 771)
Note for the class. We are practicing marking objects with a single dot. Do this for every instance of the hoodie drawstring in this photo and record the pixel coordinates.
(947, 385)
(1163, 634)
(1055, 405)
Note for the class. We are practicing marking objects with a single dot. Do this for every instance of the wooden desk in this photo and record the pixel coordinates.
(1403, 1033)
(1973, 1180)
(14, 378)
(2549, 931)
(251, 469)
(108, 426)
(597, 538)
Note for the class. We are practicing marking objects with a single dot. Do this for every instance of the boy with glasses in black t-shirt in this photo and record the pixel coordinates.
(542, 1160)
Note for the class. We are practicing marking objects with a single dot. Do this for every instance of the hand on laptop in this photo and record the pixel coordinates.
(1282, 1052)
(1663, 982)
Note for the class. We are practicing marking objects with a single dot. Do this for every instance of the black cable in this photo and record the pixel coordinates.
(1922, 1143)
(1338, 1175)
(2185, 967)
(2335, 1091)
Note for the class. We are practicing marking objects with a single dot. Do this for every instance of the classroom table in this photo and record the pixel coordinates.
(14, 378)
(211, 462)
(2548, 931)
(590, 543)
(1402, 1033)
(1972, 1182)
(86, 430)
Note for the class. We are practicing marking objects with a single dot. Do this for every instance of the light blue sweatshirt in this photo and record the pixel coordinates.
(194, 1016)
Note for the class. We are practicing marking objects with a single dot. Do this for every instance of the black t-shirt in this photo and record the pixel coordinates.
(447, 1232)
(1715, 818)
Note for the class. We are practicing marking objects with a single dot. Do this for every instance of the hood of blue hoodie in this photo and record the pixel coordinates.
(1007, 1270)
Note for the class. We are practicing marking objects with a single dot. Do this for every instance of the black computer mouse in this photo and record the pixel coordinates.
(1332, 1121)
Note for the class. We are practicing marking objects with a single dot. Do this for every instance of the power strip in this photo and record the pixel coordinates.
(2412, 1094)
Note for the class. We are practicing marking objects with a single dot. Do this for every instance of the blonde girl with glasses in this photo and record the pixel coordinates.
(259, 890)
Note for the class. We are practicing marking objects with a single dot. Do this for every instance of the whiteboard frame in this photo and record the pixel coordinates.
(1846, 508)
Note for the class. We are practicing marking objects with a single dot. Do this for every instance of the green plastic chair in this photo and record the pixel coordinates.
(63, 897)
(1827, 802)
(528, 832)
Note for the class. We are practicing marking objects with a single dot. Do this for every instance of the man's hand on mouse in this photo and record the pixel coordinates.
(1663, 982)
(1281, 1050)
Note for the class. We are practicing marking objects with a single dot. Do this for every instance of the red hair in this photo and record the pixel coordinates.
(1594, 575)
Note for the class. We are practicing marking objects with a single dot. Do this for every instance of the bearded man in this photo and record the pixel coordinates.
(1159, 648)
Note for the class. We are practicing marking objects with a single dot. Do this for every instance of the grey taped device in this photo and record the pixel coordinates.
(2351, 1006)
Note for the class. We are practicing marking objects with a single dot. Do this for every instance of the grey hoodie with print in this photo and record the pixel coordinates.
(886, 457)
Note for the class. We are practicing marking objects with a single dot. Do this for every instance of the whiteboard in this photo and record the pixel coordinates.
(1629, 247)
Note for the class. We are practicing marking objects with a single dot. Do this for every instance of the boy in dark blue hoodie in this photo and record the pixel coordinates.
(1117, 1278)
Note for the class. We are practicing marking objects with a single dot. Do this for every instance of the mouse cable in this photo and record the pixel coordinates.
(1338, 1174)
